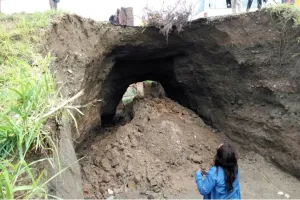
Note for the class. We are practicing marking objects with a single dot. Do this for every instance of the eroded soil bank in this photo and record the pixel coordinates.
(156, 154)
(240, 74)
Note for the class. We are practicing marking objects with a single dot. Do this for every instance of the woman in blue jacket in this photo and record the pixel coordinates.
(222, 181)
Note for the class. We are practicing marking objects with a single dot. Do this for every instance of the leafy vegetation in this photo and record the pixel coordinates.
(27, 92)
(286, 12)
(169, 18)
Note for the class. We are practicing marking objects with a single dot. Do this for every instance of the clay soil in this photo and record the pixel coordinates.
(156, 154)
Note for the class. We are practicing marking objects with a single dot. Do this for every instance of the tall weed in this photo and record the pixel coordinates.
(27, 93)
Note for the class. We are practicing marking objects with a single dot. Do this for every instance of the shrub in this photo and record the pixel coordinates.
(286, 13)
(169, 18)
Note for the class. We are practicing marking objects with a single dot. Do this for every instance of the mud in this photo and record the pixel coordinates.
(156, 154)
(239, 73)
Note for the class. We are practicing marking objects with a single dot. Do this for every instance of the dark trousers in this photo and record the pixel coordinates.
(228, 3)
(250, 3)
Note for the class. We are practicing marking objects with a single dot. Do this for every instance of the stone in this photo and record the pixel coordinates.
(156, 189)
(110, 192)
(105, 164)
(120, 172)
(137, 179)
(115, 162)
(133, 141)
(131, 185)
(140, 129)
(195, 158)
(150, 196)
(106, 178)
(97, 161)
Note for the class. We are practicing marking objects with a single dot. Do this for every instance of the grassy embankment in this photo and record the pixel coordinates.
(27, 94)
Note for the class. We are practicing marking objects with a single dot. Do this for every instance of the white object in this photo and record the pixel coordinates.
(110, 192)
(280, 193)
(287, 195)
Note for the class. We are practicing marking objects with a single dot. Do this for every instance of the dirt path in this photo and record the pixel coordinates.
(157, 153)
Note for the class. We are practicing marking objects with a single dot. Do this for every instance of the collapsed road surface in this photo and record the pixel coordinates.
(240, 74)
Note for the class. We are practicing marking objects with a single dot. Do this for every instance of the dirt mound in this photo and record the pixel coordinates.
(155, 156)
(164, 143)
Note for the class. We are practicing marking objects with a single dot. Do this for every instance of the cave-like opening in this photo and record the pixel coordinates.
(126, 72)
(136, 91)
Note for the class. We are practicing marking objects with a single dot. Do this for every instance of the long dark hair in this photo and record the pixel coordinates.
(227, 159)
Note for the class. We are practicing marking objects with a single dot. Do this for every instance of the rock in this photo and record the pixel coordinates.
(110, 192)
(131, 185)
(120, 172)
(240, 102)
(207, 147)
(115, 162)
(287, 196)
(137, 179)
(106, 178)
(150, 196)
(115, 144)
(97, 161)
(129, 155)
(195, 158)
(280, 193)
(153, 183)
(140, 129)
(156, 189)
(115, 153)
(108, 147)
(94, 147)
(101, 190)
(133, 141)
(105, 164)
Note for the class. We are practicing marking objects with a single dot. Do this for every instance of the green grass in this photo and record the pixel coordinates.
(27, 93)
(148, 82)
(286, 13)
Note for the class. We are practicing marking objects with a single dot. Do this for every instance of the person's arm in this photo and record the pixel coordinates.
(205, 186)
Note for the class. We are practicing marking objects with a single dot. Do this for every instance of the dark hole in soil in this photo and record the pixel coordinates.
(124, 111)
(126, 72)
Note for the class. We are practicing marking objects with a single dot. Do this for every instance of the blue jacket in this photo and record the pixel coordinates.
(213, 186)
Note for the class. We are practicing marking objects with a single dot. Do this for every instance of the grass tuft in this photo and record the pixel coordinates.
(286, 13)
(27, 93)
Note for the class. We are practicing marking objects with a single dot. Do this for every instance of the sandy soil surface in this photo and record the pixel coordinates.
(156, 154)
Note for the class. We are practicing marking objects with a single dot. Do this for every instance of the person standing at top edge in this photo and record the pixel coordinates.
(222, 181)
(250, 3)
(237, 4)
(228, 3)
(53, 4)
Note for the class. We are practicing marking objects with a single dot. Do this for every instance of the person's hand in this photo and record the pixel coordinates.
(203, 172)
